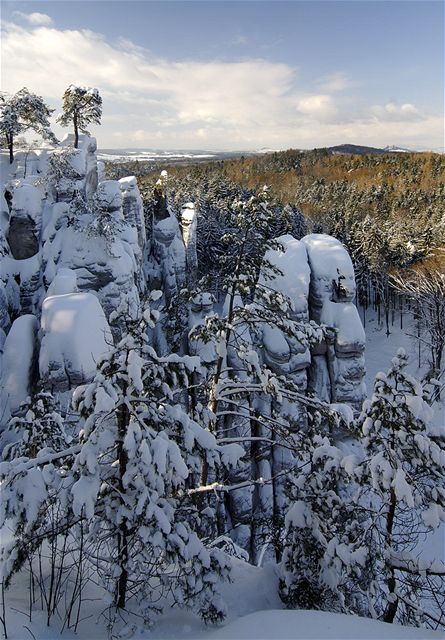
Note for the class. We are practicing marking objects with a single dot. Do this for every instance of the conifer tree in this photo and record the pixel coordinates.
(403, 493)
(81, 106)
(122, 491)
(139, 453)
(21, 112)
(325, 563)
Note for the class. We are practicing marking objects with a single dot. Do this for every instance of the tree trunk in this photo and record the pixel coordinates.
(391, 608)
(123, 551)
(213, 404)
(10, 142)
(76, 131)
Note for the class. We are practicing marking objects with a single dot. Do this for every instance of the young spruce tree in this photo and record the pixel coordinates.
(139, 452)
(403, 496)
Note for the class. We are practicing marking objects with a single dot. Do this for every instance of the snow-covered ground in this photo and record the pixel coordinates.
(254, 613)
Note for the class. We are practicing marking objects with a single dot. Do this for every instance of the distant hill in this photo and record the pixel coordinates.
(362, 150)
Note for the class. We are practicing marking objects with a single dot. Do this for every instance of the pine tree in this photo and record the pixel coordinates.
(139, 454)
(241, 383)
(324, 563)
(403, 493)
(81, 106)
(118, 503)
(21, 112)
(35, 505)
(39, 427)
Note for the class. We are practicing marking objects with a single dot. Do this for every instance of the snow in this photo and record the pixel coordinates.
(109, 196)
(112, 155)
(294, 279)
(75, 334)
(27, 200)
(253, 614)
(188, 211)
(298, 515)
(402, 489)
(314, 625)
(18, 358)
(329, 260)
(345, 318)
(64, 282)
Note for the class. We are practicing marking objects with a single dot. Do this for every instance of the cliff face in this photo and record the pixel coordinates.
(72, 252)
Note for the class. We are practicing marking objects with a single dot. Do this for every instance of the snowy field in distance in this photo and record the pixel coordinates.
(157, 156)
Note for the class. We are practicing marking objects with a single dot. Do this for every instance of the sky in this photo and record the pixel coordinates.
(237, 75)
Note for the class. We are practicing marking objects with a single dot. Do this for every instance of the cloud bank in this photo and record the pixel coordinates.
(212, 104)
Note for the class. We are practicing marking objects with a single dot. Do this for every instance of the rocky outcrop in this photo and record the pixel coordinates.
(75, 335)
(132, 208)
(337, 370)
(317, 278)
(168, 251)
(25, 222)
(74, 171)
(189, 222)
(19, 366)
(66, 234)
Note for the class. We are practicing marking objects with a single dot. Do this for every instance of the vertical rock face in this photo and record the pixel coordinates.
(75, 335)
(189, 222)
(169, 252)
(132, 208)
(74, 247)
(19, 358)
(317, 277)
(66, 234)
(25, 221)
(338, 366)
(74, 170)
(284, 354)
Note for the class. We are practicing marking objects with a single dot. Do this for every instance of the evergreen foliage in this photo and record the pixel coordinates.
(81, 107)
(22, 112)
(403, 492)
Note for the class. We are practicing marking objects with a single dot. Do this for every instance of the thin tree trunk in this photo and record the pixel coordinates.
(76, 131)
(10, 143)
(391, 608)
(121, 592)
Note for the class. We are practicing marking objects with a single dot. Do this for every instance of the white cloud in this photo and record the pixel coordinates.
(225, 105)
(397, 112)
(46, 60)
(317, 105)
(334, 82)
(35, 19)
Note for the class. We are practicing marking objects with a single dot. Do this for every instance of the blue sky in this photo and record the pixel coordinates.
(238, 75)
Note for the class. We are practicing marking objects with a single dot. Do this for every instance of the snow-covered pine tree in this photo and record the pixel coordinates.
(81, 106)
(324, 562)
(139, 453)
(117, 503)
(35, 505)
(38, 427)
(21, 112)
(403, 497)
